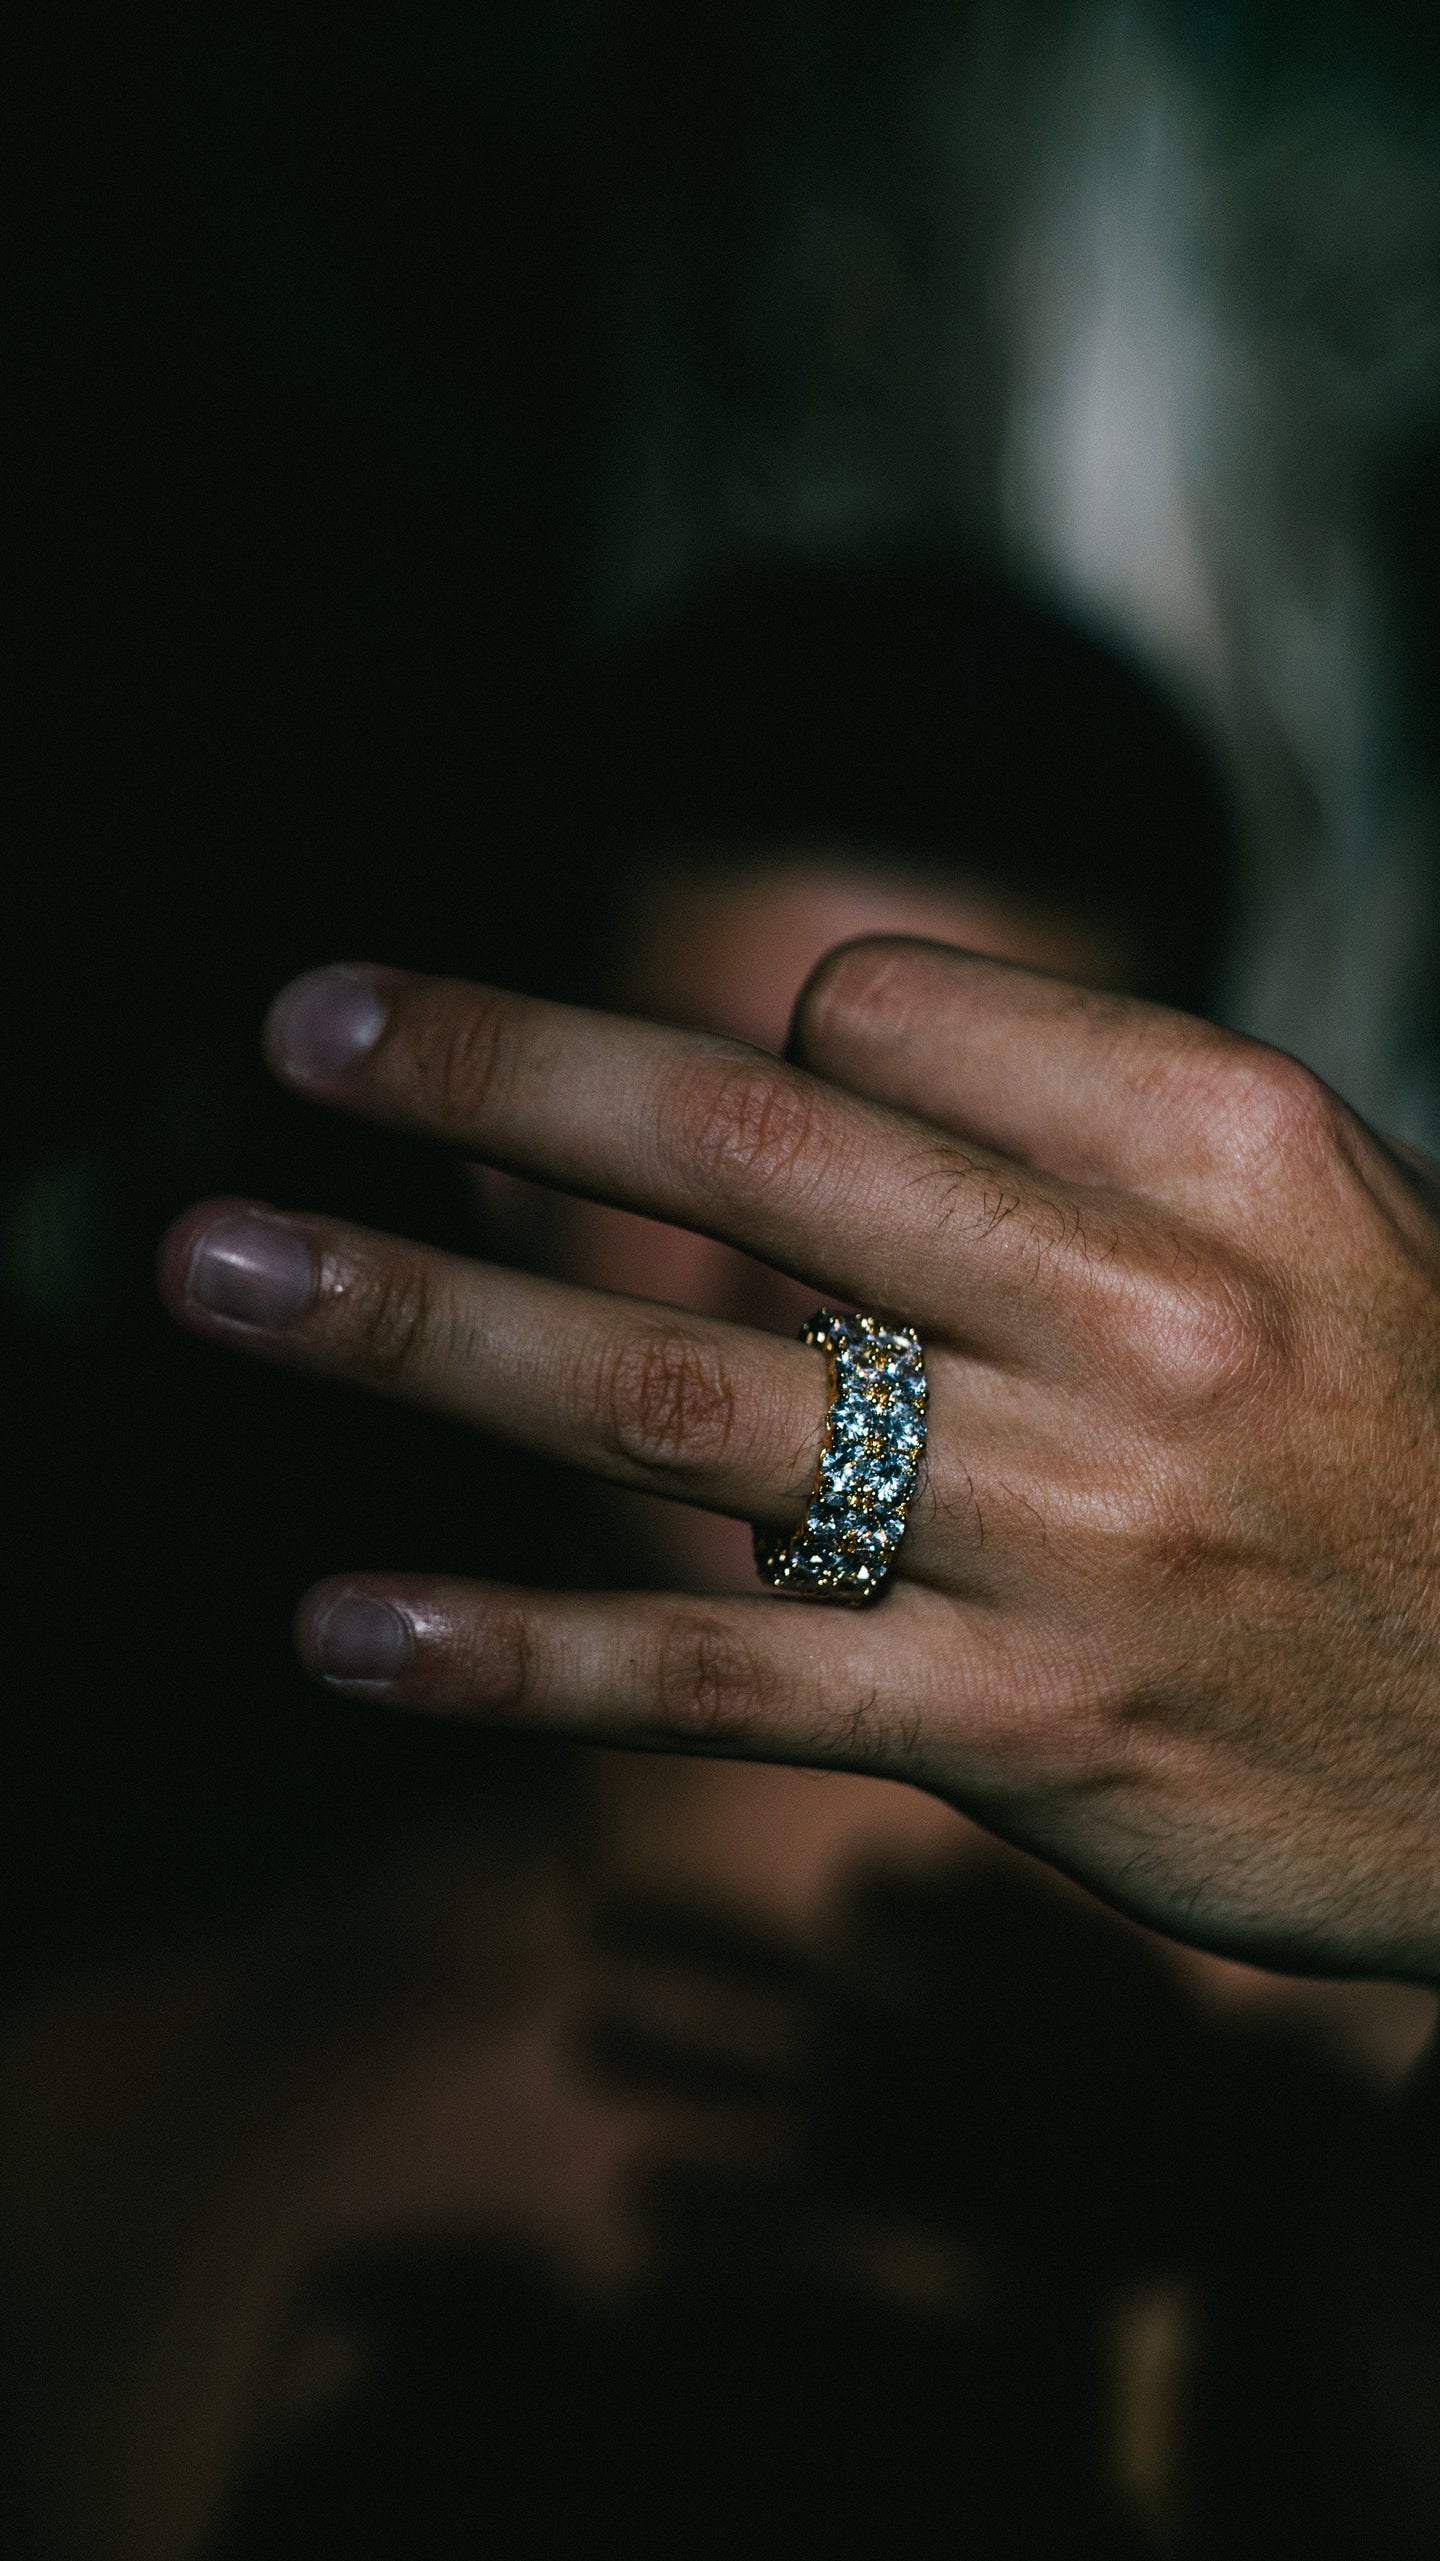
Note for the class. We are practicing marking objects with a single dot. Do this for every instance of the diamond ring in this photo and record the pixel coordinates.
(874, 1442)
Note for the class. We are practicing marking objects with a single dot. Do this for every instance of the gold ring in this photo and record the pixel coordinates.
(874, 1442)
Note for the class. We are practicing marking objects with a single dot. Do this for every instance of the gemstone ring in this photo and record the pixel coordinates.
(874, 1442)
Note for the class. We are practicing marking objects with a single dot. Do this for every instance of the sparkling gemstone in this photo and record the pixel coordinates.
(875, 1435)
(851, 1419)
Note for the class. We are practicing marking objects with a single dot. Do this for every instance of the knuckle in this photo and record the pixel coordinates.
(666, 1402)
(394, 1316)
(1294, 1108)
(749, 1121)
(711, 1687)
(1243, 1335)
(1223, 1335)
(457, 1049)
(1268, 1112)
(1074, 1734)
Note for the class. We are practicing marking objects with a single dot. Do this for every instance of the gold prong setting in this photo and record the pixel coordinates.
(874, 1442)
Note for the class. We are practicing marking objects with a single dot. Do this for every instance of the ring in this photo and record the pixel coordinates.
(874, 1442)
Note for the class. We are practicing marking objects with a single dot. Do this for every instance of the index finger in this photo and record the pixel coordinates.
(1096, 1087)
(865, 1201)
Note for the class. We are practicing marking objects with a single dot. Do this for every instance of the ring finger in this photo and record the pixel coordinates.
(643, 1395)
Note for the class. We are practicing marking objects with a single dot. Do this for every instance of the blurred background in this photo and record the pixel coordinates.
(371, 380)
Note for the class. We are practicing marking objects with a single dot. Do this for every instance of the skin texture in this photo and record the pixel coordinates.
(715, 941)
(1169, 1611)
(724, 945)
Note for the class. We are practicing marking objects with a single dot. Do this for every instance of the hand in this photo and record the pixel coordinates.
(1169, 1611)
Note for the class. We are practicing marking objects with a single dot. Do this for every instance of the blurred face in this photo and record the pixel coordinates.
(727, 947)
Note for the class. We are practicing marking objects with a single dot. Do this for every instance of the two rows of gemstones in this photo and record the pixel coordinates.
(874, 1441)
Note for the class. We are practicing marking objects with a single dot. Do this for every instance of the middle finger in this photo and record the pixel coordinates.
(867, 1203)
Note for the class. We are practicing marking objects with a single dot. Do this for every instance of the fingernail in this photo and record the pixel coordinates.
(252, 1270)
(321, 1024)
(362, 1640)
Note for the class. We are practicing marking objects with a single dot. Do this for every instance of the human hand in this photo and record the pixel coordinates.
(1168, 1606)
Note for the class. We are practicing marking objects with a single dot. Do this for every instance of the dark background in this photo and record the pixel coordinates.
(307, 381)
